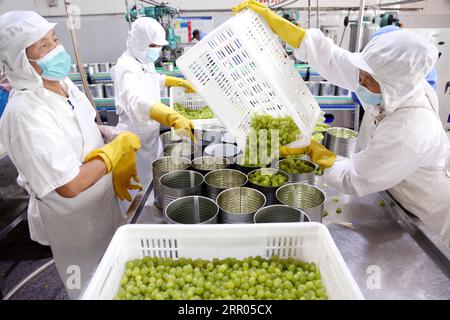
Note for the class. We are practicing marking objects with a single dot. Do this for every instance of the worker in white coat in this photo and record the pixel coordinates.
(49, 133)
(137, 92)
(402, 143)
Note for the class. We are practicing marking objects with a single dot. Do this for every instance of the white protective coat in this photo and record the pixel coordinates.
(402, 143)
(47, 138)
(137, 88)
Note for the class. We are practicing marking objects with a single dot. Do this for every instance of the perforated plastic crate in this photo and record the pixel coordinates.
(309, 242)
(241, 69)
(193, 101)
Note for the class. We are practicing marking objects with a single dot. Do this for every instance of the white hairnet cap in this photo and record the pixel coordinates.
(145, 31)
(18, 31)
(399, 61)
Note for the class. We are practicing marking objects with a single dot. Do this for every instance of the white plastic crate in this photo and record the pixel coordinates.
(309, 242)
(241, 69)
(191, 101)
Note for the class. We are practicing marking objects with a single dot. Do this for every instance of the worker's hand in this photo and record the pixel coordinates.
(111, 153)
(317, 152)
(287, 31)
(171, 118)
(109, 133)
(122, 174)
(177, 82)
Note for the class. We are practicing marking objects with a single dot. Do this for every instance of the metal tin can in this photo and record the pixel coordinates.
(219, 180)
(303, 196)
(268, 191)
(239, 205)
(162, 166)
(192, 210)
(179, 184)
(279, 213)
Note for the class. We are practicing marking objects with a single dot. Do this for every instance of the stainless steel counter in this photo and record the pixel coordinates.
(385, 260)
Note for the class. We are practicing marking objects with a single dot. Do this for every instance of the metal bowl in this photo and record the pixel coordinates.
(209, 133)
(238, 205)
(186, 150)
(269, 192)
(224, 150)
(162, 166)
(192, 210)
(303, 196)
(307, 177)
(208, 163)
(179, 184)
(109, 90)
(341, 141)
(279, 213)
(171, 137)
(219, 180)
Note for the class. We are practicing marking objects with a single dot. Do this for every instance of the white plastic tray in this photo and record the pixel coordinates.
(309, 242)
(191, 101)
(241, 69)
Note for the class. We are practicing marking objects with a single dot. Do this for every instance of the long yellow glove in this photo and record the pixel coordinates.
(287, 31)
(317, 152)
(112, 152)
(122, 174)
(120, 157)
(171, 118)
(177, 82)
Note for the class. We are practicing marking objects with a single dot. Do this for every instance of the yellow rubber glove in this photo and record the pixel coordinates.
(122, 174)
(171, 118)
(120, 157)
(287, 31)
(177, 82)
(112, 152)
(317, 152)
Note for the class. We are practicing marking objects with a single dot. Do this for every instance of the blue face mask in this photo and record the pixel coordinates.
(368, 96)
(55, 65)
(152, 54)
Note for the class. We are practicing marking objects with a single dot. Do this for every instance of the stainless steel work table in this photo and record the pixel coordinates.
(390, 254)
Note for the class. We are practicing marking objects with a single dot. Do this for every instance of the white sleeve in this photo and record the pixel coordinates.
(328, 59)
(41, 152)
(396, 151)
(162, 80)
(133, 99)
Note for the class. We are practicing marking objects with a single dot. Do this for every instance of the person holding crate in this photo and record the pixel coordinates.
(402, 142)
(137, 93)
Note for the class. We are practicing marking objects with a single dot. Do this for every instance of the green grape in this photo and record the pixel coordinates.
(230, 278)
(193, 114)
(267, 179)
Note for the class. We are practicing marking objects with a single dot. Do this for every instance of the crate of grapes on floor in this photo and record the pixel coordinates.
(241, 70)
(240, 261)
(193, 106)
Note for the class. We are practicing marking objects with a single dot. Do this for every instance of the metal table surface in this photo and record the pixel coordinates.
(385, 260)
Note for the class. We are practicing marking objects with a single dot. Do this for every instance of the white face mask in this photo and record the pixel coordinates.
(152, 54)
(368, 96)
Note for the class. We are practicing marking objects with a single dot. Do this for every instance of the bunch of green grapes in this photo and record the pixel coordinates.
(321, 127)
(194, 114)
(295, 166)
(318, 137)
(287, 129)
(230, 278)
(267, 134)
(267, 180)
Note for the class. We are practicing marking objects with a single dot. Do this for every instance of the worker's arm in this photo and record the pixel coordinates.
(133, 97)
(328, 59)
(89, 174)
(331, 61)
(398, 148)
